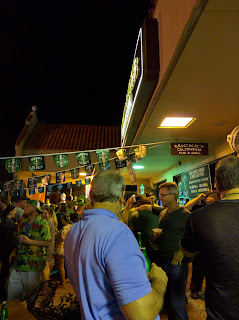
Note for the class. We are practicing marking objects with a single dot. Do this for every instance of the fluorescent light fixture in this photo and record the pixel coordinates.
(82, 174)
(137, 167)
(176, 122)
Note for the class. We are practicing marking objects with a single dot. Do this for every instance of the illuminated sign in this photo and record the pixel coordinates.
(143, 78)
(134, 83)
(195, 149)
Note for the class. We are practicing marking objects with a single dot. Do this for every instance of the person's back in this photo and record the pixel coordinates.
(95, 242)
(104, 263)
(218, 227)
(144, 221)
(214, 232)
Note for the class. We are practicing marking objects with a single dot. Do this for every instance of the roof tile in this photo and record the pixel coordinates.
(73, 137)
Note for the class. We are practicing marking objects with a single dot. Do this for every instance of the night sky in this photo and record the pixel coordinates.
(71, 59)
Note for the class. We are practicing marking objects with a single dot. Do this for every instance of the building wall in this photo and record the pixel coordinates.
(172, 16)
(218, 150)
(146, 183)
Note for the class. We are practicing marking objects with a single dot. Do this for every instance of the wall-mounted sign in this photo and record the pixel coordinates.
(31, 191)
(13, 165)
(60, 177)
(189, 148)
(196, 181)
(61, 160)
(69, 185)
(75, 173)
(32, 182)
(7, 186)
(83, 158)
(18, 184)
(143, 79)
(120, 164)
(36, 163)
(46, 179)
(90, 170)
(41, 190)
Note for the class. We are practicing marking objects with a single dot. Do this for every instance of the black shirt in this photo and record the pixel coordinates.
(173, 224)
(8, 237)
(214, 232)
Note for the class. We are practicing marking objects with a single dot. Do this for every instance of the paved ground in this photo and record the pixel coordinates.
(195, 308)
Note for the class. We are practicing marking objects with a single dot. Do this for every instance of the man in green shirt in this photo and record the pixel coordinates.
(34, 238)
(172, 222)
(143, 220)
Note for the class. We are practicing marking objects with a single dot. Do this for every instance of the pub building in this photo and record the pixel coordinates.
(63, 158)
(50, 161)
(182, 93)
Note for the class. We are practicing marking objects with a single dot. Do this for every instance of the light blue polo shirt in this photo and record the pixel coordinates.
(105, 265)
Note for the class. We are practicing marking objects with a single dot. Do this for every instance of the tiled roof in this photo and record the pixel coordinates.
(73, 137)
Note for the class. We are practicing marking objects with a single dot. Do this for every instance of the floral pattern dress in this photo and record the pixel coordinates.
(61, 238)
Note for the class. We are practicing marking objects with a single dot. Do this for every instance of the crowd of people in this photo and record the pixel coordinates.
(32, 238)
(105, 266)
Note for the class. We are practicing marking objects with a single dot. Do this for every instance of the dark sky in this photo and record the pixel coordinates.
(72, 59)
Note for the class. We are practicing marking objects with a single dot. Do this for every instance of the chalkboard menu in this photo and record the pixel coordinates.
(196, 181)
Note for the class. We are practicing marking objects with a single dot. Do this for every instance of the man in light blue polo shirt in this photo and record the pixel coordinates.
(104, 263)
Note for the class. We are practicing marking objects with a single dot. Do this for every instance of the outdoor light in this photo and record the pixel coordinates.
(82, 174)
(176, 122)
(138, 167)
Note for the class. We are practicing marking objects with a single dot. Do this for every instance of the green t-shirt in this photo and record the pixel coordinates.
(144, 221)
(173, 225)
(30, 257)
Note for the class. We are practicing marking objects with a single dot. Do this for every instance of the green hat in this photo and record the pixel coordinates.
(34, 203)
(81, 200)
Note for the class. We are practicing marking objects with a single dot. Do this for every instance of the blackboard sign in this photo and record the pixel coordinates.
(193, 149)
(196, 181)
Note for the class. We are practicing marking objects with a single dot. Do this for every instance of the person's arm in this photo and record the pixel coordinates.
(139, 297)
(145, 207)
(149, 306)
(187, 253)
(177, 257)
(189, 205)
(39, 243)
(188, 243)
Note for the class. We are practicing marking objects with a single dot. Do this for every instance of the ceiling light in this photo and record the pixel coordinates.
(176, 122)
(137, 167)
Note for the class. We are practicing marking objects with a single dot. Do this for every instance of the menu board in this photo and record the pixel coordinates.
(196, 181)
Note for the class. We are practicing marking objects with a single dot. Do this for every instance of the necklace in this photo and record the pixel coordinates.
(229, 194)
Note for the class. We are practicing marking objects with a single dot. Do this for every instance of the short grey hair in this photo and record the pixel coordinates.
(227, 173)
(171, 187)
(107, 186)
